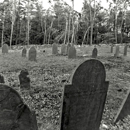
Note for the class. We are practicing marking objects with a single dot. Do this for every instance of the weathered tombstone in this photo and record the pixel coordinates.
(2, 79)
(72, 52)
(14, 114)
(94, 53)
(124, 110)
(112, 48)
(67, 48)
(84, 99)
(54, 49)
(5, 48)
(125, 50)
(24, 52)
(63, 49)
(117, 52)
(32, 54)
(24, 80)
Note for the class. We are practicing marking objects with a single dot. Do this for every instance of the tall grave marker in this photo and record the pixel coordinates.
(24, 52)
(72, 52)
(84, 99)
(32, 54)
(117, 52)
(125, 50)
(94, 52)
(54, 49)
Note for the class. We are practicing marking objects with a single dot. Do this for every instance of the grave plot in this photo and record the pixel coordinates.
(84, 98)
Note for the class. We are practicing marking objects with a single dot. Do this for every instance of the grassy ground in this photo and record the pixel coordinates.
(50, 73)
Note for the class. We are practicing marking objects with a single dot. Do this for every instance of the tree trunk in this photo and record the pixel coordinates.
(45, 33)
(50, 31)
(85, 35)
(66, 31)
(11, 34)
(69, 21)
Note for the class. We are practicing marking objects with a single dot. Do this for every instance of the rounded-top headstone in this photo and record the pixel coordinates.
(24, 52)
(90, 72)
(54, 49)
(72, 52)
(94, 53)
(32, 54)
(5, 48)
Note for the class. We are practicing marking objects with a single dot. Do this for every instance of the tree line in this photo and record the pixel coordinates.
(24, 22)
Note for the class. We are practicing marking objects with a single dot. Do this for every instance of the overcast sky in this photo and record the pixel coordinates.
(78, 4)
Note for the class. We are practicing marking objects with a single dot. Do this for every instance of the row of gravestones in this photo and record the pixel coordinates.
(117, 51)
(82, 102)
(32, 54)
(65, 50)
(70, 50)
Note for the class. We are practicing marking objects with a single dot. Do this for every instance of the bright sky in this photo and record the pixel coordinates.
(78, 4)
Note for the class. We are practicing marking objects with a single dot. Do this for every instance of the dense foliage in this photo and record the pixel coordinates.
(28, 22)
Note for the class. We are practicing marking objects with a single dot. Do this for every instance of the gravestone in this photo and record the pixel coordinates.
(24, 52)
(124, 110)
(125, 50)
(5, 48)
(67, 48)
(84, 99)
(54, 49)
(14, 114)
(32, 54)
(94, 53)
(63, 49)
(112, 48)
(72, 52)
(117, 52)
(24, 80)
(2, 79)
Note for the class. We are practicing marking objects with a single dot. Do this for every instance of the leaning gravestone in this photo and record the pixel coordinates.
(124, 110)
(24, 52)
(54, 49)
(24, 80)
(117, 52)
(2, 79)
(72, 52)
(84, 99)
(14, 114)
(32, 54)
(5, 48)
(94, 53)
(63, 49)
(125, 50)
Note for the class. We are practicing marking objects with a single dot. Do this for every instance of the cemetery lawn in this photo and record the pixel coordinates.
(49, 74)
